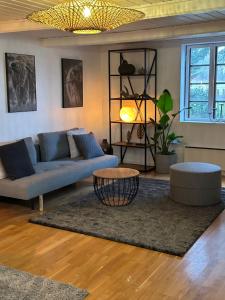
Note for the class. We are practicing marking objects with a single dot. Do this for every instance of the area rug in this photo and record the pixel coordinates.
(151, 221)
(17, 285)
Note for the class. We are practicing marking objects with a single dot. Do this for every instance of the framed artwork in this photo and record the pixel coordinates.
(21, 82)
(72, 82)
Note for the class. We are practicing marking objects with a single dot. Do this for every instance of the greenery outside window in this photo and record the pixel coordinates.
(203, 82)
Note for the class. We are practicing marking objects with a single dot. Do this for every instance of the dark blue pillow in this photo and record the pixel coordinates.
(16, 160)
(88, 146)
(54, 145)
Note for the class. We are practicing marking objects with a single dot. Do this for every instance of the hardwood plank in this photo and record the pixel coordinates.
(111, 270)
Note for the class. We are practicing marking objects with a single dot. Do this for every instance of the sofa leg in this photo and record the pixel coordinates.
(32, 202)
(41, 203)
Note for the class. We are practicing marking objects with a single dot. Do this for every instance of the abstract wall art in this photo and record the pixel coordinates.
(21, 82)
(72, 82)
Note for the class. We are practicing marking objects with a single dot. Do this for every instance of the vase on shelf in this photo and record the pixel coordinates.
(128, 136)
(107, 149)
(126, 69)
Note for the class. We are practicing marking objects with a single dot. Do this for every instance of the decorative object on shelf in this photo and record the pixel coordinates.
(128, 136)
(128, 114)
(164, 136)
(126, 95)
(140, 131)
(107, 149)
(21, 82)
(86, 16)
(126, 69)
(141, 71)
(72, 77)
(144, 97)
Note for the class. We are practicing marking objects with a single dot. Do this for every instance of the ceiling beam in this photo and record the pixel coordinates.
(181, 7)
(20, 25)
(172, 32)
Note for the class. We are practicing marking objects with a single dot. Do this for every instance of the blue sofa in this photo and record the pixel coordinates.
(54, 169)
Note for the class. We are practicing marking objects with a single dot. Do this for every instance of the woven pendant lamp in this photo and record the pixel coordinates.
(85, 16)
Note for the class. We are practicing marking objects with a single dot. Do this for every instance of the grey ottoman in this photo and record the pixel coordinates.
(195, 183)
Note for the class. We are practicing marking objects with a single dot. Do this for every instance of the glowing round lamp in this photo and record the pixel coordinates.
(128, 114)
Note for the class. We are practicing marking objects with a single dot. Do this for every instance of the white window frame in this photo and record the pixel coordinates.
(185, 81)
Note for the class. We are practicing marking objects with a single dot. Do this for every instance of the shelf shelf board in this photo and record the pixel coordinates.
(132, 50)
(133, 75)
(128, 99)
(132, 145)
(134, 122)
(140, 168)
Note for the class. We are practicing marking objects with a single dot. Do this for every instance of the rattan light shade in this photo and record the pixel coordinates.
(85, 16)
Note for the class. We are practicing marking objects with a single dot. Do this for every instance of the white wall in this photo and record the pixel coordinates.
(50, 116)
(195, 134)
(209, 135)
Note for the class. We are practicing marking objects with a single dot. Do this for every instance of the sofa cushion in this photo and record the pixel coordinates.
(50, 176)
(74, 152)
(88, 146)
(31, 150)
(52, 165)
(100, 162)
(53, 145)
(16, 160)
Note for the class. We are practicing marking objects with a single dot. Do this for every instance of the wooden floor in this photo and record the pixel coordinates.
(111, 270)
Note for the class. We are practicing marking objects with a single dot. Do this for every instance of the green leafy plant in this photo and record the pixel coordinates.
(164, 136)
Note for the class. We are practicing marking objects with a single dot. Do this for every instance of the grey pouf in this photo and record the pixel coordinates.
(195, 183)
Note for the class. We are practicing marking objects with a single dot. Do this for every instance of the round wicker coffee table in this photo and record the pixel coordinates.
(116, 186)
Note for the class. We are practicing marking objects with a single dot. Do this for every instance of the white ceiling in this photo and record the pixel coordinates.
(141, 25)
(18, 9)
(159, 14)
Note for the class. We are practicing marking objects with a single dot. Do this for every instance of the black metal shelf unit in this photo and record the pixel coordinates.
(148, 79)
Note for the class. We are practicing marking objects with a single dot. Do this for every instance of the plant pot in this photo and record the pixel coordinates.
(163, 162)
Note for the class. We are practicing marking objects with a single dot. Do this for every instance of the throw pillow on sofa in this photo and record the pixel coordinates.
(2, 169)
(88, 146)
(16, 160)
(53, 145)
(74, 152)
(31, 150)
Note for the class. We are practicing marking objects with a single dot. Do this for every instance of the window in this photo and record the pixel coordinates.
(203, 82)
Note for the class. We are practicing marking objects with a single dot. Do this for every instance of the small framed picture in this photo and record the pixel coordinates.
(21, 82)
(72, 82)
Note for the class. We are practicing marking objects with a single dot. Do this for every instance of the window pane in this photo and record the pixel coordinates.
(220, 92)
(199, 92)
(200, 56)
(220, 74)
(221, 55)
(220, 110)
(199, 110)
(199, 75)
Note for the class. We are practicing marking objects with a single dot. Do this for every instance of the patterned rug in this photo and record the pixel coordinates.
(18, 285)
(151, 221)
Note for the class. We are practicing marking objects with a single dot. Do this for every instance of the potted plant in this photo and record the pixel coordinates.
(164, 135)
